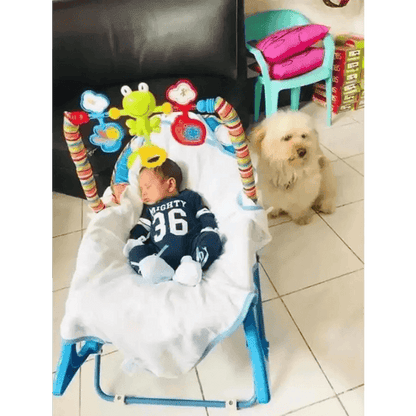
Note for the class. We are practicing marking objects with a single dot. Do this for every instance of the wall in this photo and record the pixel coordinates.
(344, 19)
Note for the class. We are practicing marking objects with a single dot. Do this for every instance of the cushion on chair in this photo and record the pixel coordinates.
(285, 43)
(296, 65)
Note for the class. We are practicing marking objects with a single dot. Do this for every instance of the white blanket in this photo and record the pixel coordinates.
(168, 328)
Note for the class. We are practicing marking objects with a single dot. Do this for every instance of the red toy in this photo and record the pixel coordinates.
(78, 117)
(186, 130)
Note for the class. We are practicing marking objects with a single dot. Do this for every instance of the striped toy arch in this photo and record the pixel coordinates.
(221, 107)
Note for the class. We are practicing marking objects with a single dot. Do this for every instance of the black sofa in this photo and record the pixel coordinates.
(104, 44)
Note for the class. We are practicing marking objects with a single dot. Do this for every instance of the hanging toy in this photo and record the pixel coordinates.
(141, 105)
(185, 130)
(108, 136)
(77, 118)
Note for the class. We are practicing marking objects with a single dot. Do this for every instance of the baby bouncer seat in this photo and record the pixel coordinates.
(166, 328)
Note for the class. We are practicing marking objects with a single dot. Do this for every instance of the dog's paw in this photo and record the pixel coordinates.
(327, 206)
(303, 219)
(273, 213)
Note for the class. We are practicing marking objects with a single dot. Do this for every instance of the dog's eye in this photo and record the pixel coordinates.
(287, 138)
(304, 136)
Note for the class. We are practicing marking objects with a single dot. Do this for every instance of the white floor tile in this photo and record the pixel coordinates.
(330, 407)
(348, 222)
(64, 255)
(356, 162)
(358, 115)
(350, 183)
(67, 212)
(114, 381)
(267, 290)
(318, 112)
(59, 300)
(331, 156)
(68, 404)
(295, 378)
(344, 141)
(353, 401)
(303, 255)
(331, 318)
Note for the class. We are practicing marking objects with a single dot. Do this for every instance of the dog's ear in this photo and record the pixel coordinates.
(257, 135)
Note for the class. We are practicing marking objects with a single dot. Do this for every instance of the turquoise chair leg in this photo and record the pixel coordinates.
(328, 83)
(272, 100)
(294, 98)
(258, 90)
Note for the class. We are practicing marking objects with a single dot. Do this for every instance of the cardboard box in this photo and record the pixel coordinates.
(347, 75)
(319, 98)
(360, 101)
(339, 79)
(347, 89)
(348, 60)
(360, 104)
(341, 100)
(344, 107)
(347, 69)
(340, 94)
(346, 54)
(336, 107)
(350, 40)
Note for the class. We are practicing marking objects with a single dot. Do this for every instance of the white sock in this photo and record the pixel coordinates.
(189, 272)
(155, 270)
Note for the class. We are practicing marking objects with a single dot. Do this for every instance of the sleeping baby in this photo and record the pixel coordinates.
(177, 235)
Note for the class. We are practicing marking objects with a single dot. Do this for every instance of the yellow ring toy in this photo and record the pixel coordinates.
(151, 156)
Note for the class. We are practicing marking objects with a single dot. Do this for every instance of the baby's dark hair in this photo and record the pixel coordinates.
(168, 169)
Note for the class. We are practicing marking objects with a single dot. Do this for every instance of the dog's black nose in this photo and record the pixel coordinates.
(301, 152)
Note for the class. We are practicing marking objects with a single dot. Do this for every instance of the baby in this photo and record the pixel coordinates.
(177, 236)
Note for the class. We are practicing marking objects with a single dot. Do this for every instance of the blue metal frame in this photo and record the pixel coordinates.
(256, 342)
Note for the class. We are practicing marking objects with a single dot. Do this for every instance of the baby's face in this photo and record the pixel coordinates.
(153, 187)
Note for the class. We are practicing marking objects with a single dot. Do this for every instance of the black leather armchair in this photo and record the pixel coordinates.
(104, 44)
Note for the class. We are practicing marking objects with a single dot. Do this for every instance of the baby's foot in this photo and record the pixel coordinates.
(189, 272)
(155, 270)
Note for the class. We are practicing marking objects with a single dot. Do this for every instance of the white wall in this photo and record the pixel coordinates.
(341, 20)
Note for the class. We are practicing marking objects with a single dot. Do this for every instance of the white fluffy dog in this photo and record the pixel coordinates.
(294, 177)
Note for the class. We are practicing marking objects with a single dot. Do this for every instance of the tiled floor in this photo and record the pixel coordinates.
(312, 279)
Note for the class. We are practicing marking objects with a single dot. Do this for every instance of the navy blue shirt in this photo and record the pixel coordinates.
(174, 222)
